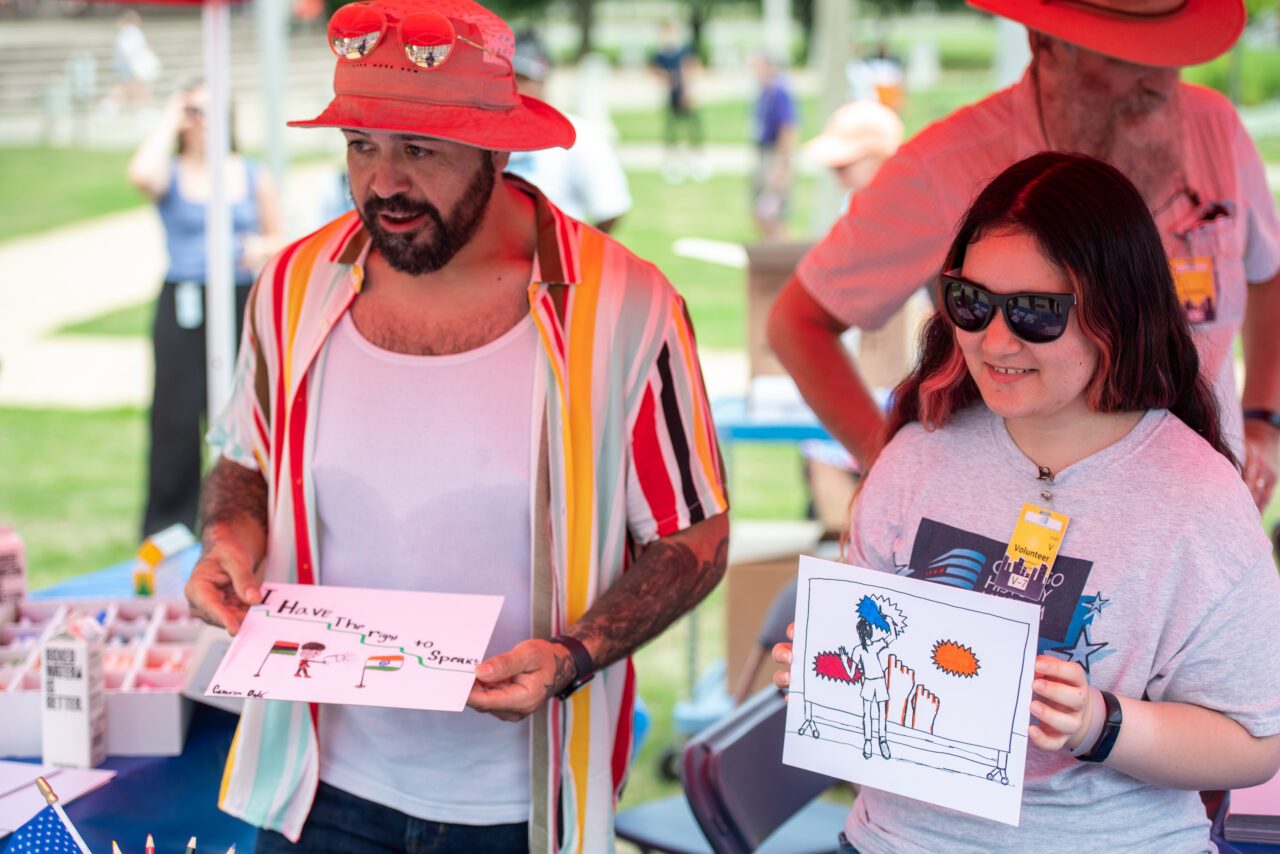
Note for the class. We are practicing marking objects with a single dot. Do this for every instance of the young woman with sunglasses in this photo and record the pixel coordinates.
(1061, 372)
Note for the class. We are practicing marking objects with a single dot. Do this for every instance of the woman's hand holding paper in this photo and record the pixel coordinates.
(1060, 700)
(782, 655)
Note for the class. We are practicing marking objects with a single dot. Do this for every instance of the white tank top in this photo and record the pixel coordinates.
(422, 475)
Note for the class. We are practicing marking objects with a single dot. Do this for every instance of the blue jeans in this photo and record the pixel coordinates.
(340, 823)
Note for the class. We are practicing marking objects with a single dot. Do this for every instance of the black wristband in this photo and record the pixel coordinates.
(1110, 730)
(1268, 415)
(582, 663)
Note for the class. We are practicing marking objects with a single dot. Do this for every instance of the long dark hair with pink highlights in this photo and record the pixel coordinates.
(1094, 226)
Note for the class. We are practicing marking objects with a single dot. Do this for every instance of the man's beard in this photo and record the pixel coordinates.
(1139, 135)
(427, 249)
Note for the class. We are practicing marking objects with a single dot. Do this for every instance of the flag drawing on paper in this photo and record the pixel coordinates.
(43, 833)
(385, 663)
(278, 648)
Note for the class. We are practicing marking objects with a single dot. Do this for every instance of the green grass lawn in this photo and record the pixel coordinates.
(48, 187)
(73, 487)
(130, 321)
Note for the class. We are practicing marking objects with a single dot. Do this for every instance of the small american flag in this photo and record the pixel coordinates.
(44, 834)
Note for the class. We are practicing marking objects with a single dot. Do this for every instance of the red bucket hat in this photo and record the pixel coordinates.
(1164, 33)
(461, 88)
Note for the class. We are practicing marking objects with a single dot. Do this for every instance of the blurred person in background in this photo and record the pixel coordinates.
(774, 133)
(676, 63)
(1103, 80)
(856, 141)
(170, 168)
(136, 64)
(585, 181)
(878, 77)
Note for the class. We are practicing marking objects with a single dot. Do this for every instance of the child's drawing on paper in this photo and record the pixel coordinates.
(307, 654)
(933, 690)
(310, 652)
(383, 663)
(879, 624)
(393, 648)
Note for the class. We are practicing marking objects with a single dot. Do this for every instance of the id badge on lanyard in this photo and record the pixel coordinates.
(1195, 275)
(1028, 559)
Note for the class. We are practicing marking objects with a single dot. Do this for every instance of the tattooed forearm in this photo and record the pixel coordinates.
(232, 494)
(671, 576)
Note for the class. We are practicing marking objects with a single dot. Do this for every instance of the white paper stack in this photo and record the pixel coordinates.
(20, 800)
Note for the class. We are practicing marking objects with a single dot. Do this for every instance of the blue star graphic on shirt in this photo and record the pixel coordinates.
(1083, 652)
(1098, 603)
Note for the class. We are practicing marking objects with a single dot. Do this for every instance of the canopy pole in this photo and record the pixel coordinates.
(219, 281)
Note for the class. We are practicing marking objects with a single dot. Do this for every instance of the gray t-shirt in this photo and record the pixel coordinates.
(1164, 587)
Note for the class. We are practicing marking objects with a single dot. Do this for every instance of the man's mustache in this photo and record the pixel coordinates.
(399, 205)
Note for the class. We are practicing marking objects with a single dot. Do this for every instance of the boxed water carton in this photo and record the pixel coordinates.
(74, 702)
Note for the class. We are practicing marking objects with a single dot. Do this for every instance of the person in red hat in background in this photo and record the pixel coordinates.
(457, 388)
(1103, 80)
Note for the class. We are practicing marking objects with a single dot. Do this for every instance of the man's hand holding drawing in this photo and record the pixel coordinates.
(671, 576)
(516, 684)
(234, 537)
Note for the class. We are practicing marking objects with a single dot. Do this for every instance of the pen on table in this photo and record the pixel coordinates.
(151, 845)
(191, 846)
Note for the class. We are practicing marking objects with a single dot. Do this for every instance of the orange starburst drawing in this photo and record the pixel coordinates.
(955, 659)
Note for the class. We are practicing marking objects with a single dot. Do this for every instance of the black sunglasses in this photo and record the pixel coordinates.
(1035, 318)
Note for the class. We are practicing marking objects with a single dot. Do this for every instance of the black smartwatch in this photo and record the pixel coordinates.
(1268, 415)
(1110, 730)
(583, 665)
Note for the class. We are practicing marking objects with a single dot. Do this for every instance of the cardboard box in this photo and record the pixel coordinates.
(146, 660)
(750, 589)
(769, 265)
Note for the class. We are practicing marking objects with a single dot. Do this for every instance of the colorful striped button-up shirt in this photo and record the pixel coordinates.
(627, 455)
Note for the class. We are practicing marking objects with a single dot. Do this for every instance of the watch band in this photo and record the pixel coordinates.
(583, 665)
(1110, 730)
(1268, 415)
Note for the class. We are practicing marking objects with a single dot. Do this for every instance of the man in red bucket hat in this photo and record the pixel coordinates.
(457, 388)
(1103, 80)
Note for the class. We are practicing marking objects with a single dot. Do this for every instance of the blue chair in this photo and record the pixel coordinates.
(739, 797)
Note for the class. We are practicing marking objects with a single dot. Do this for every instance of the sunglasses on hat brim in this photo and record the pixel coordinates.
(428, 38)
(1036, 318)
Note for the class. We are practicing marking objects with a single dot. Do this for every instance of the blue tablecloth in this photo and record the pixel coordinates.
(171, 797)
